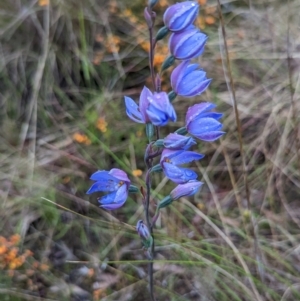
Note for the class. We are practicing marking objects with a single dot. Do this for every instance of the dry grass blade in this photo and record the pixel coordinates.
(230, 244)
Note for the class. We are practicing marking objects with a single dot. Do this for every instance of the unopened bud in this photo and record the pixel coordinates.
(172, 95)
(165, 202)
(149, 131)
(162, 32)
(181, 131)
(156, 168)
(152, 3)
(142, 230)
(148, 18)
(168, 62)
(133, 189)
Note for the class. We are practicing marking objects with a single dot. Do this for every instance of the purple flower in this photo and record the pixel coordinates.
(187, 44)
(188, 80)
(154, 107)
(170, 159)
(115, 182)
(179, 142)
(142, 230)
(203, 124)
(180, 15)
(187, 189)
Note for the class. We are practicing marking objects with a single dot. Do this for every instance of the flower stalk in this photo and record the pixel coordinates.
(155, 110)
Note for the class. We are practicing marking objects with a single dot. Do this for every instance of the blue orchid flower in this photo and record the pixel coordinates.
(170, 159)
(202, 124)
(188, 80)
(187, 189)
(115, 182)
(187, 44)
(180, 15)
(179, 142)
(153, 107)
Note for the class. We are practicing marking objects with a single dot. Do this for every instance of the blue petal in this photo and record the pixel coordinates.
(197, 110)
(178, 175)
(107, 199)
(187, 189)
(122, 194)
(192, 47)
(203, 125)
(175, 141)
(114, 200)
(132, 110)
(103, 175)
(190, 68)
(157, 117)
(196, 88)
(213, 115)
(211, 136)
(188, 175)
(169, 154)
(171, 113)
(102, 186)
(186, 157)
(112, 206)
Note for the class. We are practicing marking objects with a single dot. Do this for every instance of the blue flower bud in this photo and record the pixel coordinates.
(175, 141)
(142, 230)
(180, 15)
(188, 80)
(145, 235)
(148, 17)
(203, 124)
(187, 44)
(187, 189)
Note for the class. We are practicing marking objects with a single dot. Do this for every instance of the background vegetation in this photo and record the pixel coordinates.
(64, 69)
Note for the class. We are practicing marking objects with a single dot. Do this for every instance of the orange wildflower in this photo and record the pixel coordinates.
(11, 255)
(15, 239)
(101, 124)
(3, 249)
(81, 138)
(210, 20)
(137, 172)
(44, 2)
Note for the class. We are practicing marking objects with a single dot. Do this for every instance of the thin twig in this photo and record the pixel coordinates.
(150, 227)
(236, 112)
(240, 138)
(294, 116)
(149, 165)
(151, 57)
